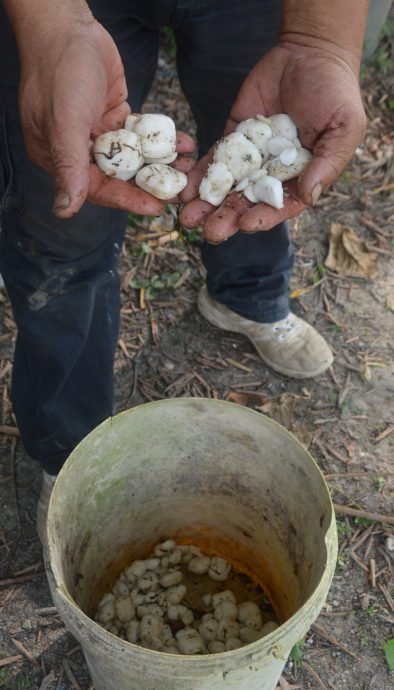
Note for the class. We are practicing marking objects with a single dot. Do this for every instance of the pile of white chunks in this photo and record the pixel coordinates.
(262, 153)
(148, 605)
(143, 149)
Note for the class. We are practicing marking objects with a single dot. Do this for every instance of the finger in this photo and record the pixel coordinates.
(194, 213)
(184, 164)
(184, 143)
(224, 222)
(264, 217)
(106, 191)
(114, 119)
(331, 154)
(69, 156)
(194, 178)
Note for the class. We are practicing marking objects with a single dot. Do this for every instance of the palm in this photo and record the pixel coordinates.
(321, 95)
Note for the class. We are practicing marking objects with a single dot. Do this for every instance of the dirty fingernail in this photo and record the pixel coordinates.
(61, 202)
(316, 191)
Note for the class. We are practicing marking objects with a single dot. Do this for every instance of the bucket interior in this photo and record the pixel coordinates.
(201, 471)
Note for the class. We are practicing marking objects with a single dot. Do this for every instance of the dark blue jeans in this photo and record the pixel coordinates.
(61, 275)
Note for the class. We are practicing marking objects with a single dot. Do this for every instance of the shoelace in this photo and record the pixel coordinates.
(284, 327)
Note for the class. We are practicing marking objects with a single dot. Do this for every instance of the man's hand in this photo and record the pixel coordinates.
(72, 89)
(319, 91)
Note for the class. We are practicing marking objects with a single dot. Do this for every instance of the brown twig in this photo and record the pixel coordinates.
(22, 578)
(8, 660)
(313, 673)
(353, 512)
(387, 596)
(372, 568)
(70, 675)
(24, 651)
(384, 434)
(319, 630)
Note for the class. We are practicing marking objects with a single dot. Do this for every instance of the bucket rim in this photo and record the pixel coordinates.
(274, 643)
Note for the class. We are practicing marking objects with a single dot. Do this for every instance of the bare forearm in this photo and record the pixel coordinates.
(334, 25)
(34, 21)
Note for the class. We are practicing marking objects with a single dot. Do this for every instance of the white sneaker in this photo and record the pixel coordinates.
(48, 482)
(290, 346)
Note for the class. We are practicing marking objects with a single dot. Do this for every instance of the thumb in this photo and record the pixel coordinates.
(69, 154)
(331, 153)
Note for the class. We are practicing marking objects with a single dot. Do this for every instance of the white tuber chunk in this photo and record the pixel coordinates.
(242, 184)
(216, 647)
(151, 628)
(269, 627)
(180, 613)
(208, 628)
(288, 156)
(227, 628)
(269, 190)
(199, 565)
(145, 609)
(249, 635)
(239, 154)
(258, 133)
(120, 588)
(175, 557)
(225, 610)
(136, 569)
(106, 597)
(118, 154)
(152, 563)
(163, 548)
(130, 122)
(278, 144)
(132, 631)
(165, 159)
(219, 568)
(282, 125)
(124, 608)
(249, 614)
(148, 581)
(287, 172)
(106, 612)
(233, 643)
(216, 183)
(157, 134)
(171, 579)
(219, 597)
(170, 650)
(249, 193)
(161, 181)
(190, 641)
(174, 595)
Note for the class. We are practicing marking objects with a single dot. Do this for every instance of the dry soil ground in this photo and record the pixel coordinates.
(344, 417)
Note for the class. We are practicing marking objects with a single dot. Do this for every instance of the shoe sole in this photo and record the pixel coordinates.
(217, 321)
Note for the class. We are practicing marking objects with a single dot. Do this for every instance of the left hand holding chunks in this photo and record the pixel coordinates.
(320, 92)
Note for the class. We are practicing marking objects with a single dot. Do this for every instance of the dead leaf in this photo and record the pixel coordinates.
(48, 680)
(281, 409)
(348, 254)
(249, 399)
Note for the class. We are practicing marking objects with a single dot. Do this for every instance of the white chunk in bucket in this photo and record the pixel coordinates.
(208, 472)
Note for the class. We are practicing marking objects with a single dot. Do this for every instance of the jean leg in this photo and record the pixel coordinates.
(61, 276)
(218, 44)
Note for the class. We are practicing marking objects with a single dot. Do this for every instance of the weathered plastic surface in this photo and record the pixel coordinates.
(216, 474)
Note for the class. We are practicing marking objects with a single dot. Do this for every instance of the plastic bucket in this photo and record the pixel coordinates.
(218, 475)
